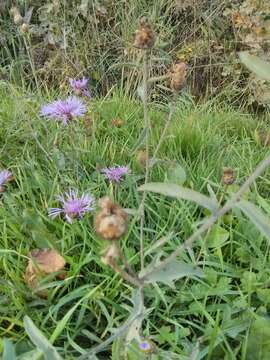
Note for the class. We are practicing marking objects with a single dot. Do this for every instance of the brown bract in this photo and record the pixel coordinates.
(142, 158)
(228, 176)
(117, 122)
(178, 76)
(144, 35)
(111, 221)
(17, 17)
(42, 262)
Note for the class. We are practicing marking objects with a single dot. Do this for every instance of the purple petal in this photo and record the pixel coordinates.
(5, 175)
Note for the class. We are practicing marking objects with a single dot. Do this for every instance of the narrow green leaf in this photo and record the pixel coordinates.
(41, 342)
(260, 67)
(258, 218)
(172, 271)
(9, 352)
(179, 192)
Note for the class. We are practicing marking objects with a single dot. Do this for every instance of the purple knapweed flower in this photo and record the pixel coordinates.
(5, 176)
(73, 206)
(64, 110)
(115, 174)
(80, 86)
(146, 346)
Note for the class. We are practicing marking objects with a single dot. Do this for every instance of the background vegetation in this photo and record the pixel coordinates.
(94, 38)
(223, 315)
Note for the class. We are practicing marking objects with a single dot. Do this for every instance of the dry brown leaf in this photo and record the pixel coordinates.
(46, 260)
(42, 262)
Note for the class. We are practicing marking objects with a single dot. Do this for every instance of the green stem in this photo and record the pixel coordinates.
(147, 128)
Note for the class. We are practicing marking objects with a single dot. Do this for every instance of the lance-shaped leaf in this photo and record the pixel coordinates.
(170, 272)
(41, 342)
(180, 192)
(260, 67)
(258, 218)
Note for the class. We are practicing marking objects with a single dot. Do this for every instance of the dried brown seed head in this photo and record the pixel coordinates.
(144, 35)
(111, 221)
(178, 76)
(117, 122)
(263, 137)
(24, 28)
(142, 158)
(228, 176)
(17, 17)
(111, 253)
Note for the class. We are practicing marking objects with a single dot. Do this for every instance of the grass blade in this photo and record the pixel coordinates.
(41, 342)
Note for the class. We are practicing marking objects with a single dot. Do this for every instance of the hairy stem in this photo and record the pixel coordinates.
(210, 222)
(147, 128)
(133, 280)
(167, 124)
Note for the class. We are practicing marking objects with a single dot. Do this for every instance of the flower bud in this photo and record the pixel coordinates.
(111, 221)
(144, 35)
(142, 158)
(146, 346)
(24, 28)
(117, 122)
(228, 176)
(178, 76)
(17, 17)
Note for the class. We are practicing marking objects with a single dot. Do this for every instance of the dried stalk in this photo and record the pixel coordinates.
(147, 168)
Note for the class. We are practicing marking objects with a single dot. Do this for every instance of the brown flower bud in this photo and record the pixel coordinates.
(263, 138)
(144, 35)
(178, 76)
(111, 253)
(111, 221)
(117, 122)
(142, 158)
(228, 176)
(17, 17)
(24, 28)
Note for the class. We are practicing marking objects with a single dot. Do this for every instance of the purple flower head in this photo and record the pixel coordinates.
(146, 346)
(64, 109)
(115, 173)
(73, 206)
(5, 175)
(80, 87)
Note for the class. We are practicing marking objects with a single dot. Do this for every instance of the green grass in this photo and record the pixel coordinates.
(223, 311)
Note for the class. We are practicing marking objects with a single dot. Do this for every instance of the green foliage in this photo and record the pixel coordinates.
(40, 340)
(94, 38)
(172, 271)
(209, 314)
(259, 339)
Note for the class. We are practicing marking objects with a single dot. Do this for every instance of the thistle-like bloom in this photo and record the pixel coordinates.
(5, 175)
(80, 86)
(146, 346)
(64, 110)
(73, 206)
(115, 174)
